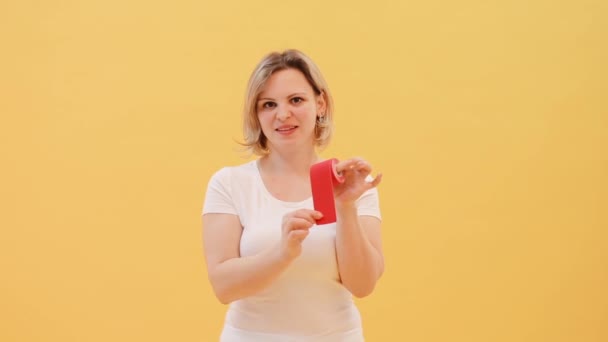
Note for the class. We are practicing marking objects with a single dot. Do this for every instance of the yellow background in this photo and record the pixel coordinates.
(488, 119)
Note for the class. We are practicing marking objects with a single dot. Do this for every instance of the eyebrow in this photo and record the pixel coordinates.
(291, 95)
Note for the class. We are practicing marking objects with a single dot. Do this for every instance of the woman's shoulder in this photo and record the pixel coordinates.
(241, 170)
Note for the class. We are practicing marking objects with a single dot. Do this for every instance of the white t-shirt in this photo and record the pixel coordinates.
(307, 302)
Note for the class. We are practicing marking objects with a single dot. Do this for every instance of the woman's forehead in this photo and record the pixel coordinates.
(286, 82)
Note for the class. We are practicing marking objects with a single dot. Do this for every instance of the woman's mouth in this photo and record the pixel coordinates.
(286, 129)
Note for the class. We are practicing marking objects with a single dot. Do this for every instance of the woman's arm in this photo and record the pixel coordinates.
(359, 250)
(234, 277)
(358, 237)
(231, 276)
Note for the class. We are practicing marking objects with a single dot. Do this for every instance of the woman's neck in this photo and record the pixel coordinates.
(289, 162)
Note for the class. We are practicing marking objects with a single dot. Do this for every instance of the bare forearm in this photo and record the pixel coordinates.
(360, 264)
(237, 278)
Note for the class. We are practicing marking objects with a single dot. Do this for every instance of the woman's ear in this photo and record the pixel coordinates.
(321, 103)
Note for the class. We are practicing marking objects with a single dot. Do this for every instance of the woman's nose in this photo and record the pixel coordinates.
(283, 113)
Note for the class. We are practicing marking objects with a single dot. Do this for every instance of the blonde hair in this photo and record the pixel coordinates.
(254, 139)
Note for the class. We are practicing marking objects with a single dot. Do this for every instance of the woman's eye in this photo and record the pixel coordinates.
(268, 105)
(297, 100)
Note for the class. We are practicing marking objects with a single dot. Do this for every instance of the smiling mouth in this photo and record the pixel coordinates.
(286, 129)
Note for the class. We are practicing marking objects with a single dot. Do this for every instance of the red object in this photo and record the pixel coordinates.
(323, 178)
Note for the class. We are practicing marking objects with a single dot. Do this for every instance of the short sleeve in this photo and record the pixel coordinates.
(369, 204)
(218, 197)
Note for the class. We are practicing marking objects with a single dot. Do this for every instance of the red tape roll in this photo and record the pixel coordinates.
(323, 178)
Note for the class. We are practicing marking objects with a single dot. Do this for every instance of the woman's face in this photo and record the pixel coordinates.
(287, 109)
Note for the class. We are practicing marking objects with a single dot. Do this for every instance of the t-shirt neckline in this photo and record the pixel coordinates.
(298, 204)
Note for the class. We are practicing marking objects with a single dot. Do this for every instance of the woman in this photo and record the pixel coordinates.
(285, 277)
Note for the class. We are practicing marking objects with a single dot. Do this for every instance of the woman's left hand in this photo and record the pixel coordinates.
(355, 172)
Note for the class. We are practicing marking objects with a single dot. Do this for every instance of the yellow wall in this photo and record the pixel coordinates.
(487, 119)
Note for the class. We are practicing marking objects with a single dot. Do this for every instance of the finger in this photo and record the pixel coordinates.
(376, 181)
(297, 235)
(296, 223)
(346, 165)
(363, 167)
(308, 214)
(302, 213)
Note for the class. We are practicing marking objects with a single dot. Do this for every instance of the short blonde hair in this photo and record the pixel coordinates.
(255, 141)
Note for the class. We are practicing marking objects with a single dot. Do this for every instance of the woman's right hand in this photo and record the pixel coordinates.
(295, 229)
